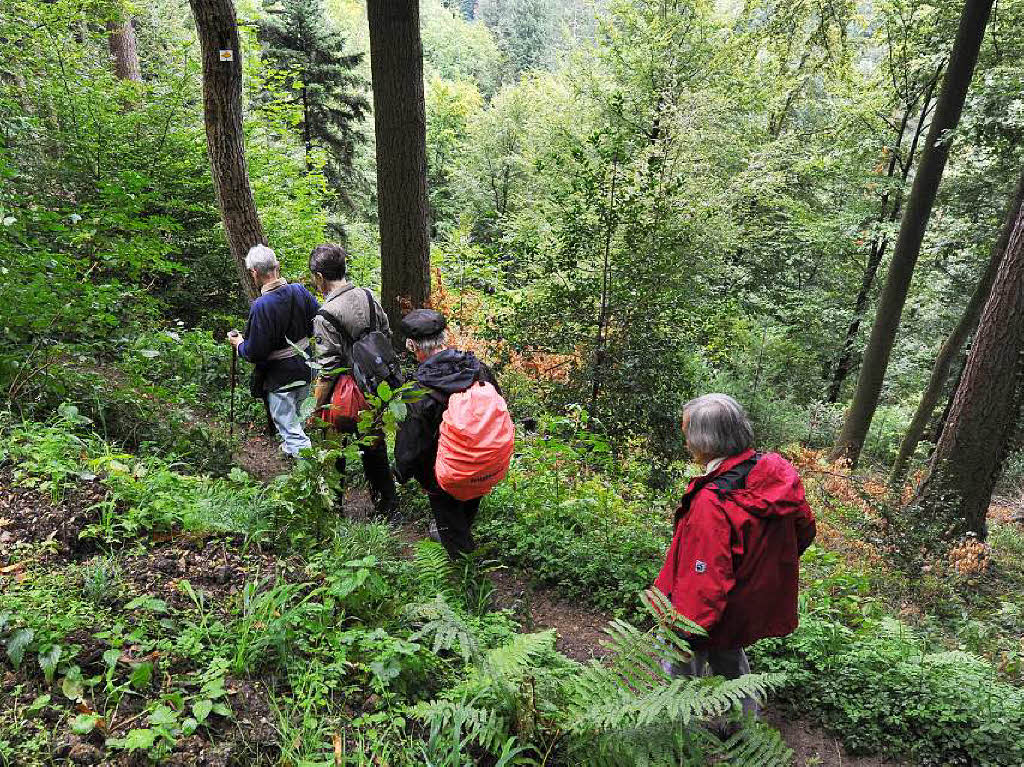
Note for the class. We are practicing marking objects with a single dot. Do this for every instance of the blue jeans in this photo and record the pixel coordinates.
(284, 409)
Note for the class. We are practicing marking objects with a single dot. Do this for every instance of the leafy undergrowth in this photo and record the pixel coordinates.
(219, 621)
(916, 668)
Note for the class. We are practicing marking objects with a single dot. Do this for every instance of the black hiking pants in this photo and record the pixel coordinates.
(454, 519)
(378, 476)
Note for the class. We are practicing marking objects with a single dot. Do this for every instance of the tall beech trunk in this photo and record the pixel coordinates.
(881, 242)
(951, 346)
(396, 64)
(912, 228)
(124, 49)
(967, 458)
(225, 141)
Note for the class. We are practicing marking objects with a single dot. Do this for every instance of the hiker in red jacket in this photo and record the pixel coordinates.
(734, 561)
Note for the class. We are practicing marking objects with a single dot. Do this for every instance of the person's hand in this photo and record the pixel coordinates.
(235, 338)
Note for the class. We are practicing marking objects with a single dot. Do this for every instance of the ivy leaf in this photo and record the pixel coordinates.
(17, 643)
(214, 688)
(221, 710)
(73, 686)
(189, 726)
(39, 703)
(48, 660)
(139, 740)
(110, 658)
(83, 724)
(141, 675)
(398, 409)
(162, 716)
(201, 709)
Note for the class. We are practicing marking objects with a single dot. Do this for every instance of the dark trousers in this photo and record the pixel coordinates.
(454, 519)
(378, 475)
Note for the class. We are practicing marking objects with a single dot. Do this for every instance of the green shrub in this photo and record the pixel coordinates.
(569, 526)
(877, 684)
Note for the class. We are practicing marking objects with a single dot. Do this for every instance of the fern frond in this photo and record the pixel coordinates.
(434, 571)
(757, 745)
(483, 726)
(512, 660)
(437, 619)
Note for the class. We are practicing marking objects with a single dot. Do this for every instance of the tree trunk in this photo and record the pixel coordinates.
(912, 228)
(966, 462)
(225, 141)
(951, 346)
(843, 364)
(396, 64)
(124, 49)
(601, 341)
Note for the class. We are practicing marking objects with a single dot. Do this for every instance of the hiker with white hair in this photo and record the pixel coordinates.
(280, 325)
(734, 562)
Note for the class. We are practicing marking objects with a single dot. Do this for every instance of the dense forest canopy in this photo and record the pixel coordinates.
(625, 204)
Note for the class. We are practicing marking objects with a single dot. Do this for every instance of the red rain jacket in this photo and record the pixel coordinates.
(734, 561)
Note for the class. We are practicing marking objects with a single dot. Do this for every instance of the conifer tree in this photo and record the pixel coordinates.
(298, 39)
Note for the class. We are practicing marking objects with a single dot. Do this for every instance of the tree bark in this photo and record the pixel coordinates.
(124, 49)
(912, 228)
(396, 64)
(225, 140)
(955, 340)
(964, 468)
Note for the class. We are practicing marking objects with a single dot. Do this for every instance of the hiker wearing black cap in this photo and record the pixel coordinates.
(443, 373)
(347, 314)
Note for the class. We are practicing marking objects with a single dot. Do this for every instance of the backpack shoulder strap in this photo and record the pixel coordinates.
(371, 304)
(336, 323)
(736, 477)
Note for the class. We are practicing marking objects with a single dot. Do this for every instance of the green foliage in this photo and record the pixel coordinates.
(624, 711)
(878, 684)
(526, 31)
(555, 513)
(323, 82)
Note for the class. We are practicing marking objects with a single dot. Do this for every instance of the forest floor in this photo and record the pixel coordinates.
(580, 628)
(217, 565)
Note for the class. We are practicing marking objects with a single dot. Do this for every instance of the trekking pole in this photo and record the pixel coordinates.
(234, 368)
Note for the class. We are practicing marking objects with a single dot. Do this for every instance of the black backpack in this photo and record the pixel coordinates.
(373, 358)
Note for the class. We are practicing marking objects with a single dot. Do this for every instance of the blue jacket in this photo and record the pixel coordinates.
(278, 316)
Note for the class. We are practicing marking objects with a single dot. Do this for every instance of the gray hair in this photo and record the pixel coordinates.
(431, 344)
(718, 426)
(262, 259)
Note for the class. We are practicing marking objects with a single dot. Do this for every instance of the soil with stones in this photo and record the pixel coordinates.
(30, 519)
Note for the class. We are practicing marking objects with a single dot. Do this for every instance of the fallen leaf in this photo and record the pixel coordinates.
(16, 567)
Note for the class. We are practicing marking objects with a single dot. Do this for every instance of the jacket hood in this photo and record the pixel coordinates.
(449, 371)
(772, 488)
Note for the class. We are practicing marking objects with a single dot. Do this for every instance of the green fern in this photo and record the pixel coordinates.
(437, 619)
(483, 726)
(624, 711)
(756, 744)
(434, 571)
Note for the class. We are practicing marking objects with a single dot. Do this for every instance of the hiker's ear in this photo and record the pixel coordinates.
(410, 345)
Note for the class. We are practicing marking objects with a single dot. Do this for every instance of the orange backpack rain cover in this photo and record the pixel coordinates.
(476, 442)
